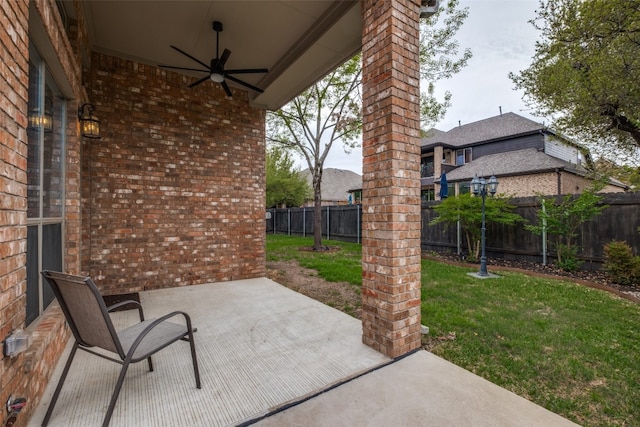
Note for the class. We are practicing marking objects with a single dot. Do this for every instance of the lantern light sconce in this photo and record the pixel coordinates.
(89, 124)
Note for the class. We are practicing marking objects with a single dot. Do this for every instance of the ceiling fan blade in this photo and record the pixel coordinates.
(233, 79)
(197, 82)
(247, 71)
(183, 68)
(189, 56)
(225, 86)
(225, 55)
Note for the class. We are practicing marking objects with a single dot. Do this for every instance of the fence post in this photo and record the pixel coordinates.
(289, 221)
(304, 221)
(274, 221)
(459, 235)
(357, 223)
(328, 222)
(544, 233)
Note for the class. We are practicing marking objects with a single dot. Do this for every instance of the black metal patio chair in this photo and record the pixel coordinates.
(91, 325)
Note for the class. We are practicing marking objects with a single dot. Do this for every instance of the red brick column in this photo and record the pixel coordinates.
(391, 178)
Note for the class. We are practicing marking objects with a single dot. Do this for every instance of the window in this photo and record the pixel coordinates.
(465, 187)
(451, 189)
(428, 195)
(356, 197)
(463, 156)
(426, 166)
(45, 183)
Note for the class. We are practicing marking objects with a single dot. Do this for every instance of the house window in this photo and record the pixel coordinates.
(45, 183)
(428, 195)
(426, 167)
(464, 188)
(451, 189)
(463, 156)
(356, 197)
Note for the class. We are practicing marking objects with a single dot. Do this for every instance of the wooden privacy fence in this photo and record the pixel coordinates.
(620, 221)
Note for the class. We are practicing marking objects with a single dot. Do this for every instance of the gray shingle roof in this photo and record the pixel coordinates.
(505, 125)
(524, 161)
(336, 183)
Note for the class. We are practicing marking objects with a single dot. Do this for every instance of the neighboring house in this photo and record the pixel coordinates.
(527, 158)
(336, 186)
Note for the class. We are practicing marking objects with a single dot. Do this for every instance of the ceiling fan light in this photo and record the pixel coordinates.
(218, 78)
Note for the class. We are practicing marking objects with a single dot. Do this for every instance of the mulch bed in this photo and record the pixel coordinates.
(320, 249)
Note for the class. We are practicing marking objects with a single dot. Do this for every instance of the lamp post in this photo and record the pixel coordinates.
(481, 187)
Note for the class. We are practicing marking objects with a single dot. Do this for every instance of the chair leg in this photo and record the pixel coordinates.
(196, 372)
(56, 393)
(116, 393)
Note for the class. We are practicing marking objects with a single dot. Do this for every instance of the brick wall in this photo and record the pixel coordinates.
(28, 374)
(529, 185)
(547, 184)
(574, 184)
(14, 82)
(173, 193)
(391, 190)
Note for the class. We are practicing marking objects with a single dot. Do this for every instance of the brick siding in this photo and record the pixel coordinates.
(547, 184)
(13, 189)
(391, 191)
(173, 193)
(27, 374)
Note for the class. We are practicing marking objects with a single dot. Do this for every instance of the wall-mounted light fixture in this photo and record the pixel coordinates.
(89, 124)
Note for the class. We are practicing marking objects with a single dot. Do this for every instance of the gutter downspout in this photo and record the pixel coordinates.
(559, 175)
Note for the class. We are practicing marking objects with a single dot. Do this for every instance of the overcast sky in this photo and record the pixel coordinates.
(501, 40)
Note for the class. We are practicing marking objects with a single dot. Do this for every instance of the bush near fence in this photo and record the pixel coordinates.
(620, 221)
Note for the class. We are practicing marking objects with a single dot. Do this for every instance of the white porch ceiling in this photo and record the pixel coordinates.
(298, 41)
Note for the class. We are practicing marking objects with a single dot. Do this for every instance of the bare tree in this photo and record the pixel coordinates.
(330, 110)
(327, 112)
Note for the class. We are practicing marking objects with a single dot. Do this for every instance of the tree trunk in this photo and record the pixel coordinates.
(317, 210)
(559, 250)
(622, 123)
(472, 248)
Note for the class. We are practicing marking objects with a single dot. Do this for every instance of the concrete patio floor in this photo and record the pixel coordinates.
(269, 356)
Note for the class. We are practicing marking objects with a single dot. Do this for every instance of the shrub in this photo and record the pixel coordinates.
(561, 218)
(568, 258)
(620, 263)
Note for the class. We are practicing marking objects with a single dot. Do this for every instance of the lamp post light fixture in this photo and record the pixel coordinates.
(480, 187)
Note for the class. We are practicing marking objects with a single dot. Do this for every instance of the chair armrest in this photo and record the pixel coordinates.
(152, 325)
(127, 302)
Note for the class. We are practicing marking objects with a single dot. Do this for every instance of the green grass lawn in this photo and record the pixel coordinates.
(339, 266)
(569, 348)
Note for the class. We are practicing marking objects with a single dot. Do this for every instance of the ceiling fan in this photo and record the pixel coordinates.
(215, 70)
